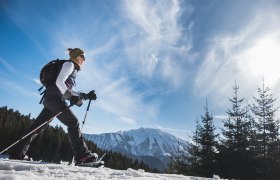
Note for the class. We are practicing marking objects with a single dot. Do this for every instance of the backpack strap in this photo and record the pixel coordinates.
(43, 93)
(76, 65)
(42, 98)
(41, 88)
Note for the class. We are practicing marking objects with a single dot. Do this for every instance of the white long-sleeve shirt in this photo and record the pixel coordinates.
(66, 70)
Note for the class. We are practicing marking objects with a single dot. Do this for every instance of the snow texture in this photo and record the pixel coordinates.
(25, 170)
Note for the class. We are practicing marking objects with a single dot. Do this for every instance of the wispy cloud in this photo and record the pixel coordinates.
(143, 41)
(155, 40)
(181, 133)
(10, 78)
(246, 56)
(13, 88)
(155, 47)
(170, 129)
(7, 66)
(116, 95)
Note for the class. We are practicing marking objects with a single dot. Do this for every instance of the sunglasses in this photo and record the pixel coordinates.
(82, 56)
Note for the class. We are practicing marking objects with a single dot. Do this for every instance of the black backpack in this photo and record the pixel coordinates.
(49, 73)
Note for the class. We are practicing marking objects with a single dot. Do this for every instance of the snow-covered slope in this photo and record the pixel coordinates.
(139, 142)
(20, 170)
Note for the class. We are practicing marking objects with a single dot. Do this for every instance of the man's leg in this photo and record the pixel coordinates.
(22, 147)
(76, 140)
(67, 117)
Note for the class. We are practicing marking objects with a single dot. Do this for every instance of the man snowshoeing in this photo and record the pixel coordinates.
(54, 102)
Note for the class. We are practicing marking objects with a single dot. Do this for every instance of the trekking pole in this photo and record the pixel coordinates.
(86, 115)
(34, 130)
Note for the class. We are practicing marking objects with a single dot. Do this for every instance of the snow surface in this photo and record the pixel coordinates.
(26, 170)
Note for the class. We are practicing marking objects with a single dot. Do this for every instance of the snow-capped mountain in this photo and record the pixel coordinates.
(139, 142)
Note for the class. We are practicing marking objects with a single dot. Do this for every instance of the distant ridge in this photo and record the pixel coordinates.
(142, 142)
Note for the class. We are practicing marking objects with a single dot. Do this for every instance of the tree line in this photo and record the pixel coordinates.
(246, 147)
(53, 145)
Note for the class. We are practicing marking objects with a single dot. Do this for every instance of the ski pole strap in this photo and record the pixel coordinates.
(44, 94)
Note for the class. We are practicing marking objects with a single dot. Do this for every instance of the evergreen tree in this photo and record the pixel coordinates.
(236, 131)
(207, 144)
(252, 138)
(267, 135)
(267, 123)
(201, 154)
(234, 151)
(178, 162)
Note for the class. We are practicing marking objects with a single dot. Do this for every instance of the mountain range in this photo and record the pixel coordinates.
(153, 146)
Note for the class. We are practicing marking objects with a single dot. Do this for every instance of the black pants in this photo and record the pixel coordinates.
(52, 106)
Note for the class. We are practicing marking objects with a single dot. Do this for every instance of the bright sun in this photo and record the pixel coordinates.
(263, 59)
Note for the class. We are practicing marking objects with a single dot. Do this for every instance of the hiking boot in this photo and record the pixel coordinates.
(21, 157)
(87, 157)
(26, 158)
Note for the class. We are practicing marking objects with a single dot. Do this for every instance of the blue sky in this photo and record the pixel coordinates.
(152, 63)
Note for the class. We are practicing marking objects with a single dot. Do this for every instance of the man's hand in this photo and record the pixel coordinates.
(76, 100)
(91, 95)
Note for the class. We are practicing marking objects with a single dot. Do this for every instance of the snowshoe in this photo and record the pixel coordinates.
(88, 157)
(90, 161)
(22, 158)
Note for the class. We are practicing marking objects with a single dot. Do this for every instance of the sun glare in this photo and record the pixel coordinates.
(263, 60)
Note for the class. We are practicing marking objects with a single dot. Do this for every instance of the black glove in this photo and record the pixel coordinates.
(76, 100)
(91, 95)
